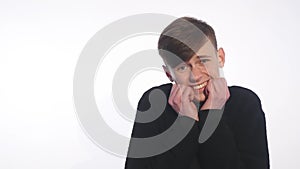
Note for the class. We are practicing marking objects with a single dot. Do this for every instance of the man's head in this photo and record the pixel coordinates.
(189, 49)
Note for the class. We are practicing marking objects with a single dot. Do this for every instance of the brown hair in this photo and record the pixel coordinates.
(181, 39)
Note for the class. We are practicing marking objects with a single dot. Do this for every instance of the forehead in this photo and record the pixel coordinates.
(206, 51)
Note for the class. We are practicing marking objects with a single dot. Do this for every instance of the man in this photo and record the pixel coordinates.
(218, 127)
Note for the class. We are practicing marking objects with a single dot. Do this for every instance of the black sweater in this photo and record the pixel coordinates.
(237, 141)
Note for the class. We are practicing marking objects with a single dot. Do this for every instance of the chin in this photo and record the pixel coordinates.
(200, 98)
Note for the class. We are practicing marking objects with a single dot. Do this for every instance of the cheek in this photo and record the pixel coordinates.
(181, 79)
(212, 70)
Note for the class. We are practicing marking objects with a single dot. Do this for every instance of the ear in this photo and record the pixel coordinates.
(168, 73)
(221, 57)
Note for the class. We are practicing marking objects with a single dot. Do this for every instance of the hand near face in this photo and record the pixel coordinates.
(217, 94)
(181, 99)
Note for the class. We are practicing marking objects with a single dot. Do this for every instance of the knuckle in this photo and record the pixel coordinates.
(170, 102)
(176, 101)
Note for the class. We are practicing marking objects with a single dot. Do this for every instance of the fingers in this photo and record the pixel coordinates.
(216, 86)
(173, 98)
(174, 94)
(217, 94)
(208, 88)
(181, 99)
(188, 95)
(179, 95)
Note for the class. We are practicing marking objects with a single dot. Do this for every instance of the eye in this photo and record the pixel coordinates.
(204, 60)
(182, 68)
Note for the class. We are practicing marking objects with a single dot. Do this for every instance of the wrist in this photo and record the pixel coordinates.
(194, 117)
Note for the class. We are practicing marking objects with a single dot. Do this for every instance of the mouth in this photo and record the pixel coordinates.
(200, 86)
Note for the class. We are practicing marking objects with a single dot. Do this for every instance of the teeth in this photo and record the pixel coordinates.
(200, 86)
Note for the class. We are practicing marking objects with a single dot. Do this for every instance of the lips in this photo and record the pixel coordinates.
(200, 86)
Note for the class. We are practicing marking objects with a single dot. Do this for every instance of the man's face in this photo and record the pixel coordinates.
(196, 72)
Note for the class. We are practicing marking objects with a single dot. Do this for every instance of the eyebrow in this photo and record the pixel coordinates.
(198, 56)
(204, 56)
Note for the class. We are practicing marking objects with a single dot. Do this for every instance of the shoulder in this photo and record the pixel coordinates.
(164, 88)
(156, 94)
(243, 100)
(244, 105)
(242, 94)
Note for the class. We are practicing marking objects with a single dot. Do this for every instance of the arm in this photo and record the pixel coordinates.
(251, 135)
(178, 157)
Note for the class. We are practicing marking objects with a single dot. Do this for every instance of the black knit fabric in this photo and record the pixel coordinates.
(239, 140)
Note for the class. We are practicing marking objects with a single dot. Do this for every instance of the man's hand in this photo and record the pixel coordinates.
(216, 93)
(181, 99)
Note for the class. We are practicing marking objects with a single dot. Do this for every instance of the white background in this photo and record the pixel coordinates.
(40, 43)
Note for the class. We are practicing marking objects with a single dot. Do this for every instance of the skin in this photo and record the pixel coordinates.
(202, 69)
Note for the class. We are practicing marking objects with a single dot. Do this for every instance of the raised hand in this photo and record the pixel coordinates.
(217, 94)
(181, 99)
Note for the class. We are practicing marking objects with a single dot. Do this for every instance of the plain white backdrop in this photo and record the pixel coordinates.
(40, 43)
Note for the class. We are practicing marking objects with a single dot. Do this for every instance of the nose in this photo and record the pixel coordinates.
(197, 73)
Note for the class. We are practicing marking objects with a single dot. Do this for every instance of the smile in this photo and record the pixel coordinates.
(200, 86)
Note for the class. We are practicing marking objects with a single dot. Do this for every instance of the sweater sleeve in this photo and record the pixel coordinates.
(251, 135)
(179, 156)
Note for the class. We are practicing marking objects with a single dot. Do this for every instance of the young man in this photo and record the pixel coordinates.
(203, 124)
